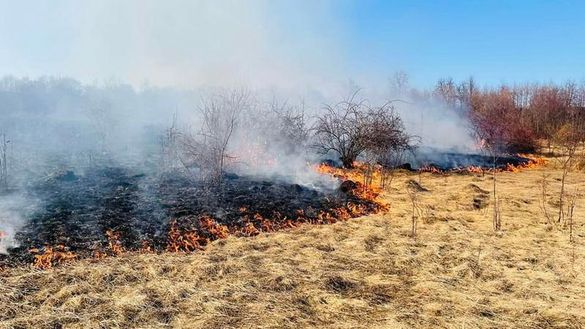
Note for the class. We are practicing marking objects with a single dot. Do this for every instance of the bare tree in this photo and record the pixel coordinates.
(169, 146)
(100, 116)
(548, 111)
(208, 148)
(292, 125)
(466, 92)
(490, 122)
(399, 83)
(446, 89)
(568, 138)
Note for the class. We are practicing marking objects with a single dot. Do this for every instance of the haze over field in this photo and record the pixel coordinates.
(314, 52)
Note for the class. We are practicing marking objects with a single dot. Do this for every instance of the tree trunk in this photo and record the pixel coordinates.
(347, 162)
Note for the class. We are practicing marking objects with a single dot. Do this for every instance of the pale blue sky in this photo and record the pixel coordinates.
(293, 43)
(496, 41)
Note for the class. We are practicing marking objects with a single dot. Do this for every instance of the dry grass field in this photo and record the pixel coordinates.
(364, 273)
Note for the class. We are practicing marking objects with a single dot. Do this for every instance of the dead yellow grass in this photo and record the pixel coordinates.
(364, 273)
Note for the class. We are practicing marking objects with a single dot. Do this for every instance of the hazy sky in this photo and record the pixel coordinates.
(292, 43)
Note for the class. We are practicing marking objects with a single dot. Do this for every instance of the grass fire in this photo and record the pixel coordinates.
(269, 164)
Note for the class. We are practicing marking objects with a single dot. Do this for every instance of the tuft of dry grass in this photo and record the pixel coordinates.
(364, 273)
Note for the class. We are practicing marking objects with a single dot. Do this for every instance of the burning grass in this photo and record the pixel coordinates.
(112, 212)
(49, 256)
(522, 161)
(370, 178)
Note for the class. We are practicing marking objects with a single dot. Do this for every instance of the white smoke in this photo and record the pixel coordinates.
(176, 42)
(435, 124)
(12, 218)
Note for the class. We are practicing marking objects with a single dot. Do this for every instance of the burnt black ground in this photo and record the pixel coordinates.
(446, 161)
(76, 210)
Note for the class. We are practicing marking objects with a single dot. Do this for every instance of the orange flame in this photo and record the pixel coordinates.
(114, 243)
(185, 241)
(369, 191)
(431, 169)
(145, 247)
(531, 163)
(49, 256)
(188, 240)
(211, 227)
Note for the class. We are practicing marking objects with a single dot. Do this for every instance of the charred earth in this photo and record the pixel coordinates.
(113, 209)
(447, 161)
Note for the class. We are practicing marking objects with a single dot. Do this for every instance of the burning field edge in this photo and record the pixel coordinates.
(243, 209)
(188, 230)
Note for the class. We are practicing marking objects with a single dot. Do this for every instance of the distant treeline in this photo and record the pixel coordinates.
(515, 118)
(511, 118)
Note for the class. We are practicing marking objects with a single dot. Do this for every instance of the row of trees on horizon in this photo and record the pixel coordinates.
(516, 118)
(512, 118)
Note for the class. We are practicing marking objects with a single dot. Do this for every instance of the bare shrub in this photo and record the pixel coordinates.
(552, 106)
(388, 143)
(388, 162)
(524, 114)
(342, 129)
(352, 129)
